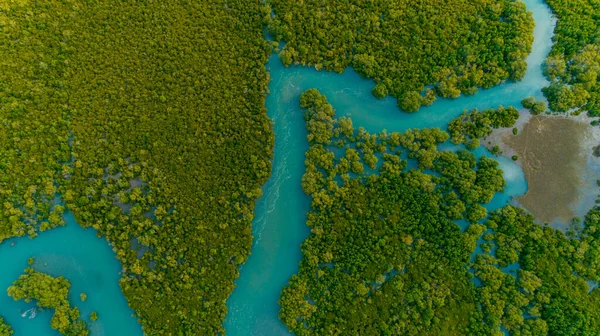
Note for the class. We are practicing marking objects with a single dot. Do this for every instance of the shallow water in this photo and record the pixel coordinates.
(82, 258)
(279, 225)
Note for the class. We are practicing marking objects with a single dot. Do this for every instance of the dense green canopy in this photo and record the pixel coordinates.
(406, 45)
(573, 65)
(535, 107)
(5, 329)
(548, 295)
(148, 117)
(385, 258)
(34, 124)
(52, 293)
(470, 127)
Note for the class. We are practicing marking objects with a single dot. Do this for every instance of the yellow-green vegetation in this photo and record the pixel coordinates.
(52, 293)
(548, 295)
(573, 65)
(5, 329)
(472, 126)
(384, 256)
(149, 117)
(34, 127)
(94, 316)
(534, 106)
(406, 46)
(82, 297)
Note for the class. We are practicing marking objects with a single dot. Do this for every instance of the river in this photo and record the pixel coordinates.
(279, 225)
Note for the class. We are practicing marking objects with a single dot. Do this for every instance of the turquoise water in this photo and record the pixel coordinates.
(279, 225)
(82, 258)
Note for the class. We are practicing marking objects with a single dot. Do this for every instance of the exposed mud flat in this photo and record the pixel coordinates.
(556, 154)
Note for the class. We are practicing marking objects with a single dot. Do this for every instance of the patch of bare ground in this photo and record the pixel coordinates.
(555, 153)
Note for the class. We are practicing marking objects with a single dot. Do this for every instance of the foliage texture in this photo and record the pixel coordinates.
(405, 45)
(383, 256)
(52, 293)
(148, 118)
(573, 65)
(5, 329)
(474, 125)
(386, 257)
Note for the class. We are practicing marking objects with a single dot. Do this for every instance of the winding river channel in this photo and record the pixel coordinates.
(279, 225)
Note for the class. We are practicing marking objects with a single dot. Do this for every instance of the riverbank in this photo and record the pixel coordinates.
(279, 226)
(78, 255)
(556, 154)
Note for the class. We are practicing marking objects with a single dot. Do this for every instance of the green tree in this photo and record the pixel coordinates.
(382, 243)
(5, 329)
(118, 107)
(395, 42)
(52, 293)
